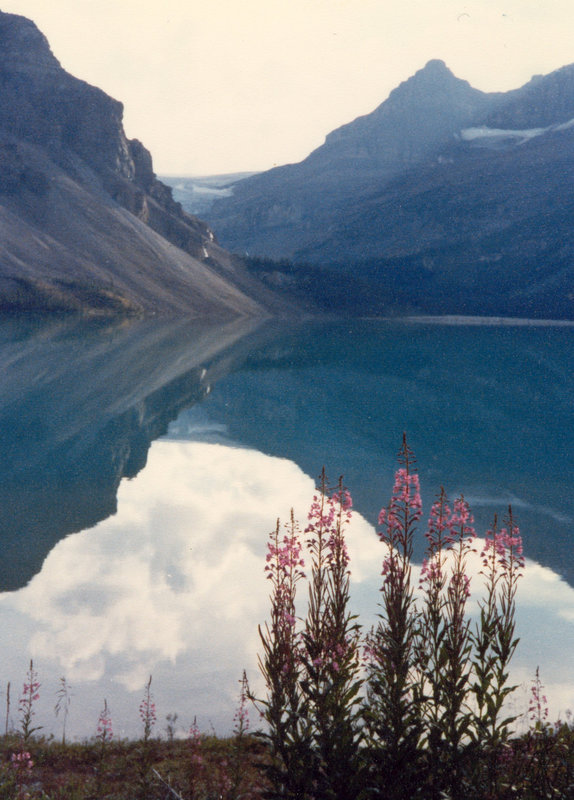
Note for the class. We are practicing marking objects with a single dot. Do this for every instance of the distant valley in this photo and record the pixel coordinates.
(197, 194)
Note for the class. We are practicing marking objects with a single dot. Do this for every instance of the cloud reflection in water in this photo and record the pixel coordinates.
(173, 586)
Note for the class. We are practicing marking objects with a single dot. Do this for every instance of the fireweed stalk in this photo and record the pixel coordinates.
(239, 747)
(431, 632)
(104, 735)
(30, 694)
(449, 728)
(148, 717)
(545, 757)
(313, 675)
(495, 642)
(330, 651)
(393, 709)
(284, 709)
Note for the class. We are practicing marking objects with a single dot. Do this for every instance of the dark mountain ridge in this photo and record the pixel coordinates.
(84, 222)
(276, 213)
(444, 198)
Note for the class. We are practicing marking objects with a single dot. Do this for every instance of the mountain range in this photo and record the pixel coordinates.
(85, 225)
(444, 199)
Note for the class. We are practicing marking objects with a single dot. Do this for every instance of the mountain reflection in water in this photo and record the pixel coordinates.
(163, 572)
(80, 404)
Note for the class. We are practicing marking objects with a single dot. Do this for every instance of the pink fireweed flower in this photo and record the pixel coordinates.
(431, 571)
(104, 730)
(512, 541)
(22, 762)
(404, 509)
(196, 743)
(321, 514)
(241, 716)
(328, 516)
(284, 559)
(503, 549)
(439, 522)
(459, 585)
(147, 711)
(461, 522)
(538, 706)
(30, 694)
(406, 489)
(344, 499)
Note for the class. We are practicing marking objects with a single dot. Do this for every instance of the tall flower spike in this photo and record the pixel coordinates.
(104, 731)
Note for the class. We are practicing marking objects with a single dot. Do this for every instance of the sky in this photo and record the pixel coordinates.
(219, 86)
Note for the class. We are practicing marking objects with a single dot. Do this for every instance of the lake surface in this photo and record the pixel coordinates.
(144, 464)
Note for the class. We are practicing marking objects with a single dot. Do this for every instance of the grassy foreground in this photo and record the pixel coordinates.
(190, 769)
(539, 764)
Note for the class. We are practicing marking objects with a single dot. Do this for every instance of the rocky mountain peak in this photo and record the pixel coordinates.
(434, 70)
(25, 49)
(429, 107)
(436, 86)
(545, 100)
(85, 224)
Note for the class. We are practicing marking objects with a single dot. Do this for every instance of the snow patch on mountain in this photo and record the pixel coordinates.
(472, 134)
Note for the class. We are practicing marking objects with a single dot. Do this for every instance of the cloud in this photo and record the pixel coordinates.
(174, 581)
(173, 586)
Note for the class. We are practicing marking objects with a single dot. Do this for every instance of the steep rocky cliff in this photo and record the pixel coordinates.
(84, 222)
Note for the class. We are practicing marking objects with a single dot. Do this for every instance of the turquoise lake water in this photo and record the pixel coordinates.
(144, 464)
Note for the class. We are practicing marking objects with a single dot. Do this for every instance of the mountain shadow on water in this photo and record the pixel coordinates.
(80, 404)
(486, 408)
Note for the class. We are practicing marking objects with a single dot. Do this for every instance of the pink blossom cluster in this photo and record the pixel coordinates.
(22, 762)
(505, 546)
(30, 693)
(195, 742)
(344, 499)
(148, 712)
(439, 523)
(241, 716)
(431, 571)
(538, 706)
(284, 559)
(404, 509)
(405, 499)
(447, 526)
(332, 657)
(104, 731)
(321, 514)
(329, 511)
